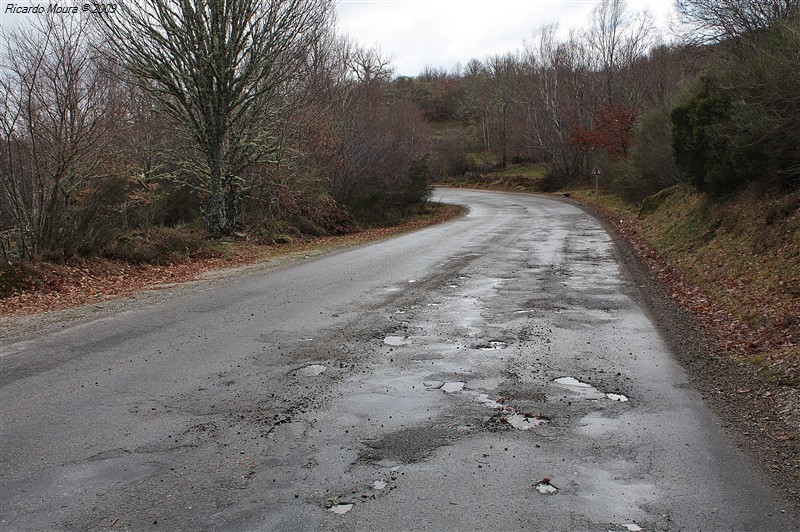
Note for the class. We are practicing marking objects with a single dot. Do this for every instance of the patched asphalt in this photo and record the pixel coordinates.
(496, 372)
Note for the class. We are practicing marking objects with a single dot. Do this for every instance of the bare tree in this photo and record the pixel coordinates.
(503, 71)
(477, 99)
(58, 105)
(219, 67)
(368, 64)
(559, 96)
(619, 38)
(714, 21)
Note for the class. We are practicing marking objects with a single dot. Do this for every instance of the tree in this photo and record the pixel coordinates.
(503, 71)
(220, 68)
(612, 130)
(618, 39)
(368, 64)
(558, 97)
(716, 21)
(476, 98)
(58, 105)
(742, 124)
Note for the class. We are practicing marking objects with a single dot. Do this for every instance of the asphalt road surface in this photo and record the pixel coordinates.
(497, 372)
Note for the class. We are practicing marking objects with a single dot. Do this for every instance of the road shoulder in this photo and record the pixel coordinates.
(756, 416)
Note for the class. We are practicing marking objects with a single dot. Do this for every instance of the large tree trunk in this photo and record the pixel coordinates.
(215, 212)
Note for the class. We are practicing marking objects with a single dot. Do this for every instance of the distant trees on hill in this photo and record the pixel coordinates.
(256, 115)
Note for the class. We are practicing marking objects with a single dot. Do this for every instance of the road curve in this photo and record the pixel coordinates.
(494, 372)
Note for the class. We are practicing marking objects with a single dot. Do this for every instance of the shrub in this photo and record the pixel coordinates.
(161, 245)
(651, 165)
(741, 123)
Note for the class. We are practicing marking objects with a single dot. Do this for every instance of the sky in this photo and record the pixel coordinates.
(443, 33)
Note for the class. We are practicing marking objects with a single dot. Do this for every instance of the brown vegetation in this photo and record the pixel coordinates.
(30, 288)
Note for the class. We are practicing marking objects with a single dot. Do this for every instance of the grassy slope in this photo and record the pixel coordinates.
(743, 253)
(514, 177)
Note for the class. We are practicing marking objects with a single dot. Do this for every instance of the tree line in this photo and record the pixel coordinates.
(256, 115)
(715, 108)
(237, 113)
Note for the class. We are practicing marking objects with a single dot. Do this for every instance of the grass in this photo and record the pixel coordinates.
(515, 177)
(744, 252)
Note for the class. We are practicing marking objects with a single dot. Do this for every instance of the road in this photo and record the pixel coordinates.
(497, 372)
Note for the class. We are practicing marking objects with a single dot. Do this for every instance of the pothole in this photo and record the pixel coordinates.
(617, 397)
(491, 345)
(396, 341)
(523, 421)
(312, 370)
(589, 391)
(545, 487)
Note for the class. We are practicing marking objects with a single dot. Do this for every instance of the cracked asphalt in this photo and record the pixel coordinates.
(497, 372)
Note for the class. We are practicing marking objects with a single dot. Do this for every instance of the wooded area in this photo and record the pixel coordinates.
(139, 134)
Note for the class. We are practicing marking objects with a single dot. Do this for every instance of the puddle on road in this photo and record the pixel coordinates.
(396, 341)
(379, 484)
(313, 370)
(491, 403)
(571, 381)
(447, 387)
(452, 387)
(617, 397)
(633, 527)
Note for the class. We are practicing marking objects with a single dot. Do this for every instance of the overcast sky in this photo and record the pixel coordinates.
(441, 33)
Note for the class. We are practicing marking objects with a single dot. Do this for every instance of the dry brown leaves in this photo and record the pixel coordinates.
(775, 343)
(88, 281)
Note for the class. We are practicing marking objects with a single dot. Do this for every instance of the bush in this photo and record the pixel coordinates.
(161, 245)
(554, 180)
(742, 123)
(651, 165)
(402, 200)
